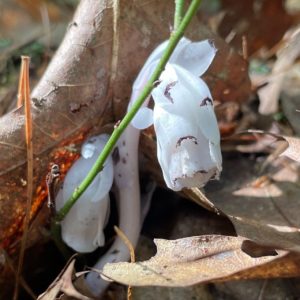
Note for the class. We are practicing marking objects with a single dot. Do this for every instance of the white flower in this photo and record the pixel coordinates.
(82, 228)
(188, 138)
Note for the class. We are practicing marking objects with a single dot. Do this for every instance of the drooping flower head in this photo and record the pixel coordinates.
(188, 138)
(82, 228)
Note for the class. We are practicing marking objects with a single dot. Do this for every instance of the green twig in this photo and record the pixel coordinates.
(98, 166)
(179, 5)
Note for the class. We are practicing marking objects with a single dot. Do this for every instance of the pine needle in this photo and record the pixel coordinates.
(24, 95)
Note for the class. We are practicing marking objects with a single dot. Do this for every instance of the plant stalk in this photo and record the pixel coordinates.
(98, 166)
(179, 6)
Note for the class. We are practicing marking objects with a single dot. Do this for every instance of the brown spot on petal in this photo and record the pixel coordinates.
(167, 90)
(156, 83)
(205, 102)
(92, 140)
(188, 137)
(202, 172)
(184, 176)
(212, 43)
(116, 155)
(215, 176)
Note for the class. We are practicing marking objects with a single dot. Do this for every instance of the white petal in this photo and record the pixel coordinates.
(100, 185)
(106, 180)
(197, 57)
(154, 58)
(215, 152)
(59, 200)
(140, 82)
(82, 228)
(183, 43)
(93, 144)
(195, 90)
(143, 119)
(161, 93)
(183, 151)
(197, 180)
(88, 150)
(151, 64)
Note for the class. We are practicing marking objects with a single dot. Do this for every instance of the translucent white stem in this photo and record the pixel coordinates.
(127, 182)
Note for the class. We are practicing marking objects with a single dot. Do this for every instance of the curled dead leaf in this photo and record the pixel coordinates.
(290, 149)
(189, 261)
(64, 284)
(70, 103)
(289, 51)
(265, 212)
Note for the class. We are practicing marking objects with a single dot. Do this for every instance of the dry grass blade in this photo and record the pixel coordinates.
(21, 87)
(24, 93)
(23, 283)
(126, 241)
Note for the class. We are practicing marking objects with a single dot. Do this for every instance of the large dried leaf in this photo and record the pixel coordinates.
(189, 261)
(72, 98)
(266, 211)
(241, 15)
(66, 85)
(269, 94)
(288, 146)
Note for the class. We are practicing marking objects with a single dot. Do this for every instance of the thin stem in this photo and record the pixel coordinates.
(20, 89)
(98, 166)
(179, 5)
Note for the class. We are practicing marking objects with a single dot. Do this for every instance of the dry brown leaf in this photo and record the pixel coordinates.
(290, 148)
(63, 284)
(269, 94)
(70, 102)
(34, 7)
(64, 86)
(293, 149)
(240, 17)
(290, 101)
(266, 213)
(281, 145)
(189, 261)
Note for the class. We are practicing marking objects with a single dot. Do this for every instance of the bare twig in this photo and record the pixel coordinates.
(245, 47)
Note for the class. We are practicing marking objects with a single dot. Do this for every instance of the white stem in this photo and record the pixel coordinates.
(127, 182)
(126, 175)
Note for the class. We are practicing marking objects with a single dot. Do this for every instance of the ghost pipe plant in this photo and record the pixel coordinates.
(126, 178)
(188, 138)
(97, 167)
(187, 135)
(82, 228)
(139, 99)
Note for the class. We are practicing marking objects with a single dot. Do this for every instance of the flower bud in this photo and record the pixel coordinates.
(188, 138)
(82, 228)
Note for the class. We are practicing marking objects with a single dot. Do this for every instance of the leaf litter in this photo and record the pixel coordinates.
(189, 261)
(259, 198)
